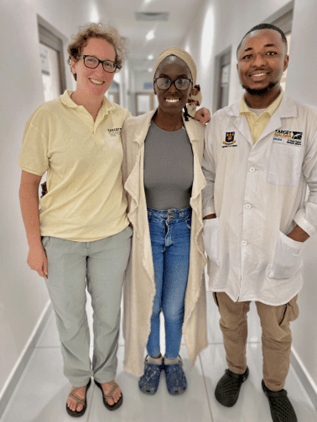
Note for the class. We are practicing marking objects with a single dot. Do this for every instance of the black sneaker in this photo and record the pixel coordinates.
(228, 387)
(281, 408)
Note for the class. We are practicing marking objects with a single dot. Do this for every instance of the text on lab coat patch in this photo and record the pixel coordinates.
(230, 140)
(290, 137)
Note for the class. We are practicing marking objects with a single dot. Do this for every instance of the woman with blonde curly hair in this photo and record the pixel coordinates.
(81, 236)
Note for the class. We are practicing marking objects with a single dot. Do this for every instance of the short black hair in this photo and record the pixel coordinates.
(265, 26)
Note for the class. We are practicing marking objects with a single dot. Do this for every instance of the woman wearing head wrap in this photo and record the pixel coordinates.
(163, 150)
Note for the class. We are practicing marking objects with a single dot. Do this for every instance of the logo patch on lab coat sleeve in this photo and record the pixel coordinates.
(229, 141)
(292, 137)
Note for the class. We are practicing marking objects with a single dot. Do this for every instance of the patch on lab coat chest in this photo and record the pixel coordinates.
(286, 158)
(291, 137)
(229, 140)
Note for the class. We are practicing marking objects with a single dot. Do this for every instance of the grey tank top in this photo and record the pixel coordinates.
(168, 168)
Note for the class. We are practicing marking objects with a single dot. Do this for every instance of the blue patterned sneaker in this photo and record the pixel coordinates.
(149, 381)
(175, 378)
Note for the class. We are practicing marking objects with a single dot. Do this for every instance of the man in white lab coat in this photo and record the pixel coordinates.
(260, 155)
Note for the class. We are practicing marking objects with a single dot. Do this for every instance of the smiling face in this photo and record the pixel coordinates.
(172, 100)
(94, 82)
(262, 59)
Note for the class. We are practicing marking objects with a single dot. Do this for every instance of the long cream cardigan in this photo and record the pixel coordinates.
(139, 286)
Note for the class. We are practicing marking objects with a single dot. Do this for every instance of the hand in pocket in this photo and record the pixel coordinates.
(287, 258)
(211, 239)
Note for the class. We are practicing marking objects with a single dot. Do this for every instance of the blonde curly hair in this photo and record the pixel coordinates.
(98, 30)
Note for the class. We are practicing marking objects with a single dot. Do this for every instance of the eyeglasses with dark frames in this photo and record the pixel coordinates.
(181, 83)
(92, 62)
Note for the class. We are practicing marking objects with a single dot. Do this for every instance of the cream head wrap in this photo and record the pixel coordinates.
(195, 97)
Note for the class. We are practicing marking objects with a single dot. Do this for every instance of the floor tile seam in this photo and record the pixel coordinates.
(47, 347)
(91, 401)
(248, 342)
(206, 389)
(58, 347)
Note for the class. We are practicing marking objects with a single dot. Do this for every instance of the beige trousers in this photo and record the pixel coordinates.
(276, 336)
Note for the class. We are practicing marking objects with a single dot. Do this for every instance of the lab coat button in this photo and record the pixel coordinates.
(248, 206)
(244, 243)
(252, 169)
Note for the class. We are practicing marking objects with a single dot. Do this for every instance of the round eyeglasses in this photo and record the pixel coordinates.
(181, 83)
(92, 62)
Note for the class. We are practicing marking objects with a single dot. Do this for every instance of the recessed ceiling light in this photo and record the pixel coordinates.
(150, 57)
(150, 69)
(150, 35)
(151, 16)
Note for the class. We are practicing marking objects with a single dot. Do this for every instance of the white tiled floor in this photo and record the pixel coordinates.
(41, 393)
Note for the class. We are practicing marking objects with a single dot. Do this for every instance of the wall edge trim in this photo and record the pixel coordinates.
(305, 378)
(15, 375)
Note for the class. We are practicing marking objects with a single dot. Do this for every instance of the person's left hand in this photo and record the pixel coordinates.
(203, 115)
(298, 234)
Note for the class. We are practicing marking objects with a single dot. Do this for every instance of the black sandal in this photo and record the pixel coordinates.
(108, 396)
(79, 400)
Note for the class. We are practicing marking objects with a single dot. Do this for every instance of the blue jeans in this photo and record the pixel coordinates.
(170, 240)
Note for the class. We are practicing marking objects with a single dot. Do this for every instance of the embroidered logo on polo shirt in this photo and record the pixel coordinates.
(291, 137)
(229, 141)
(114, 132)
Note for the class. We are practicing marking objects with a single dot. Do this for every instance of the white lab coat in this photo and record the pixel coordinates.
(258, 193)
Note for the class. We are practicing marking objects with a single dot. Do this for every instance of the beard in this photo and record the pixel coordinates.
(262, 91)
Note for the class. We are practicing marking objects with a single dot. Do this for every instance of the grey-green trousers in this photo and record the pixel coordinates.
(99, 265)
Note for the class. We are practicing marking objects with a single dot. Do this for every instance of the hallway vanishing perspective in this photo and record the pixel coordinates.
(34, 70)
(42, 391)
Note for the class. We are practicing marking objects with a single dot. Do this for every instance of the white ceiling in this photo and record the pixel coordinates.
(167, 33)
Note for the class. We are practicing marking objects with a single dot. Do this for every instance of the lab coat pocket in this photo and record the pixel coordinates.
(285, 164)
(287, 258)
(211, 239)
(291, 312)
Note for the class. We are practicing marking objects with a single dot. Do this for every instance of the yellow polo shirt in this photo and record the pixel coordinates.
(258, 123)
(82, 158)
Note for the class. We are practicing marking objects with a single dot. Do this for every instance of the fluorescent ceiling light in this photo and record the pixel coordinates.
(150, 35)
(94, 16)
(150, 57)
